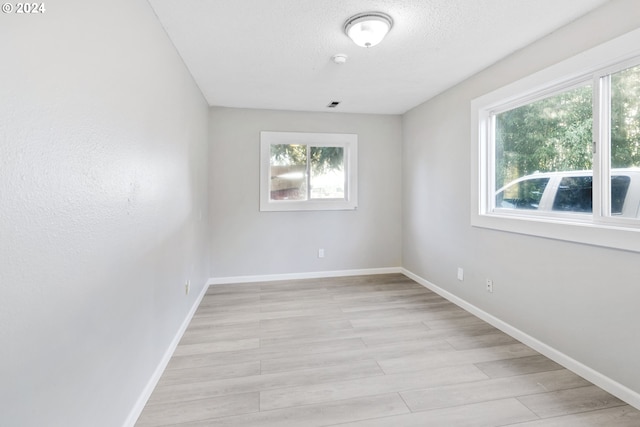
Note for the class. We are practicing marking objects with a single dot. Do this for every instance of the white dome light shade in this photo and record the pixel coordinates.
(368, 29)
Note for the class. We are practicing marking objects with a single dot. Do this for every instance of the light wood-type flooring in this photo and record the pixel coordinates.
(362, 351)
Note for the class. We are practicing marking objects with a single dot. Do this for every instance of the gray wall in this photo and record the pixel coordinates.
(246, 241)
(103, 189)
(581, 300)
(104, 206)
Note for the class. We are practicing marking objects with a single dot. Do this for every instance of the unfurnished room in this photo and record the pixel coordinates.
(320, 213)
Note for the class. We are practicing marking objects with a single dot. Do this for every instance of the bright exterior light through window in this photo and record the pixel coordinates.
(308, 171)
(304, 172)
(549, 135)
(624, 135)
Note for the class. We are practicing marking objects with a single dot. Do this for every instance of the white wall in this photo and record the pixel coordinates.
(248, 242)
(103, 188)
(581, 300)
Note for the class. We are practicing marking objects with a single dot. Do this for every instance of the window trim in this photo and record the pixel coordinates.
(350, 144)
(587, 67)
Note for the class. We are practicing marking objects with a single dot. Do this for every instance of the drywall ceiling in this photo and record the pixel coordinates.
(276, 54)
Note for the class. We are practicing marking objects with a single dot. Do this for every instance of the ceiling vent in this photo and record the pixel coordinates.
(333, 104)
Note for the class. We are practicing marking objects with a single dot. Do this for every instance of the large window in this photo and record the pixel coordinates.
(308, 171)
(548, 135)
(561, 149)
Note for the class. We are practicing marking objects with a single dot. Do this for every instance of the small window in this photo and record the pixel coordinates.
(308, 171)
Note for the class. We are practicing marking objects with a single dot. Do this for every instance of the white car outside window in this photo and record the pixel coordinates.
(571, 192)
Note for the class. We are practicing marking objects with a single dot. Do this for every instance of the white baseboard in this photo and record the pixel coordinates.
(153, 381)
(620, 391)
(298, 276)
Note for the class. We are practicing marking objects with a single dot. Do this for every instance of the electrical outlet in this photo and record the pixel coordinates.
(490, 285)
(460, 273)
(320, 253)
(187, 287)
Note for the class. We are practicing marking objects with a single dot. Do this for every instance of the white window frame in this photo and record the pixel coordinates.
(349, 142)
(599, 228)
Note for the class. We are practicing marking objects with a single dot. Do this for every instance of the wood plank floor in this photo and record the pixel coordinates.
(362, 351)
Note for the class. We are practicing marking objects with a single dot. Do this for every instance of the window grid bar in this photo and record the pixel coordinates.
(602, 156)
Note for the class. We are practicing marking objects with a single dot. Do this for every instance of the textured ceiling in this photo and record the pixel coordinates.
(276, 54)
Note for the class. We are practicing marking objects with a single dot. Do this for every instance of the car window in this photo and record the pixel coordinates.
(524, 194)
(619, 187)
(575, 194)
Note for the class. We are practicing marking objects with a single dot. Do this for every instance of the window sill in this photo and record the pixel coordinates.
(586, 232)
(324, 205)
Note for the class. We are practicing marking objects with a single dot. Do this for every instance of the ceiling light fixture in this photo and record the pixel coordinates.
(368, 29)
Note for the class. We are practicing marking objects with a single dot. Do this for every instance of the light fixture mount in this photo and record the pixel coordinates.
(339, 58)
(369, 28)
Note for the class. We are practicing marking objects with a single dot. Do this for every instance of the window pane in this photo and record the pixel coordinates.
(619, 187)
(524, 194)
(288, 168)
(575, 194)
(549, 135)
(625, 133)
(327, 172)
